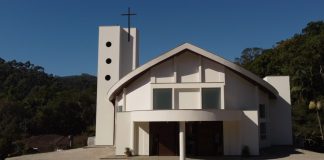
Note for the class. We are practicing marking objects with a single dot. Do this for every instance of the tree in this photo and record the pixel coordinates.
(317, 106)
(248, 55)
(302, 58)
(33, 102)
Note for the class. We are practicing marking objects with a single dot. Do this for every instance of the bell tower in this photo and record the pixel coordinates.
(117, 56)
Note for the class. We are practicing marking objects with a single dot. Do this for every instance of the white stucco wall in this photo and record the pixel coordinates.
(280, 112)
(123, 133)
(183, 115)
(187, 65)
(232, 141)
(163, 72)
(243, 132)
(120, 65)
(212, 71)
(105, 109)
(249, 131)
(239, 93)
(187, 98)
(143, 136)
(138, 94)
(128, 51)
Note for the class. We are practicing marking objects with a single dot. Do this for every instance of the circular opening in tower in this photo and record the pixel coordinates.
(107, 77)
(108, 44)
(108, 60)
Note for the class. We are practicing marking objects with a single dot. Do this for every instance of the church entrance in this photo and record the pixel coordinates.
(164, 138)
(204, 138)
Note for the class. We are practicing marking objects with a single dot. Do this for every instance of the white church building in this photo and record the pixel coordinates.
(186, 102)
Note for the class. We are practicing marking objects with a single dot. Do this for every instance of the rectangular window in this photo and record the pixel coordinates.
(262, 113)
(263, 131)
(162, 98)
(211, 98)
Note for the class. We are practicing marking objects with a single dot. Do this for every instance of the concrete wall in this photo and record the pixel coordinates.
(249, 131)
(187, 98)
(244, 132)
(124, 133)
(105, 109)
(138, 94)
(134, 135)
(120, 65)
(213, 71)
(280, 111)
(232, 141)
(239, 93)
(143, 137)
(187, 65)
(164, 72)
(183, 115)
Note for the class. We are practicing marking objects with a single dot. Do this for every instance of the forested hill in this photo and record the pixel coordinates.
(302, 58)
(33, 102)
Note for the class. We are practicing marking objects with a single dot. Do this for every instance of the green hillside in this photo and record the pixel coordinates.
(35, 103)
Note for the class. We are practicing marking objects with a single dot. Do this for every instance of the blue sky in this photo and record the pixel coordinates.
(62, 35)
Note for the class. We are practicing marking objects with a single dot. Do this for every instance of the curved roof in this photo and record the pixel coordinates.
(140, 70)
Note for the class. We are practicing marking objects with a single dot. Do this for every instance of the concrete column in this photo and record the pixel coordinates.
(182, 141)
(132, 136)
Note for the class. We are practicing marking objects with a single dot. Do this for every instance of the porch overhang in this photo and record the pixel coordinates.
(183, 115)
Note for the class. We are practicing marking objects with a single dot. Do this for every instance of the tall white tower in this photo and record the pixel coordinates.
(117, 56)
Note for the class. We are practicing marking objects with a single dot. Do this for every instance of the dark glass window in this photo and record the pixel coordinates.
(263, 131)
(108, 44)
(162, 98)
(262, 111)
(211, 98)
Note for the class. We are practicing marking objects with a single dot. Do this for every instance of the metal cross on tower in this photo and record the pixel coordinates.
(129, 14)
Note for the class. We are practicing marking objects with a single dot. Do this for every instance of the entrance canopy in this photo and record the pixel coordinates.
(183, 115)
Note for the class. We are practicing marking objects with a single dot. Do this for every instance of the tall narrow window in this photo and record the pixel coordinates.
(211, 98)
(263, 131)
(162, 98)
(262, 112)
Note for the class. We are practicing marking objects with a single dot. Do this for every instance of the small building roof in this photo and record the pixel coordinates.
(186, 46)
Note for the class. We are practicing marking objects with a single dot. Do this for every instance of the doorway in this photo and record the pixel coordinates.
(164, 138)
(204, 138)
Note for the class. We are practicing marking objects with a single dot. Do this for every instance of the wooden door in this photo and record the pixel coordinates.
(204, 138)
(164, 138)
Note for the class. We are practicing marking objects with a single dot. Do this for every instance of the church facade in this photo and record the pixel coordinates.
(186, 102)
